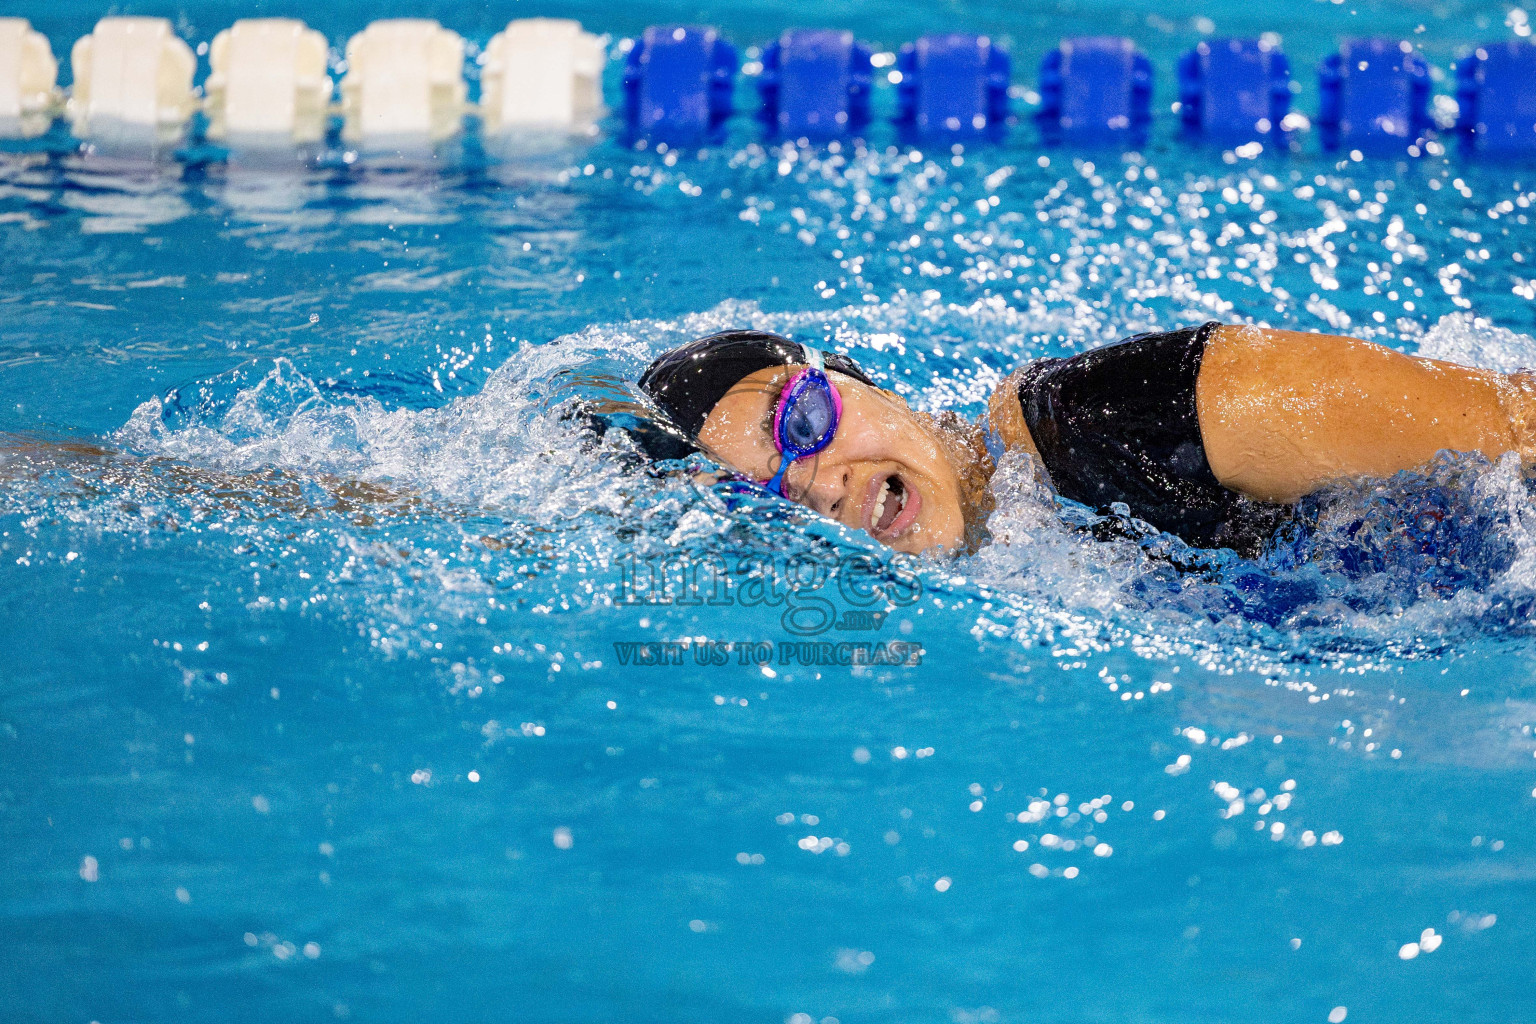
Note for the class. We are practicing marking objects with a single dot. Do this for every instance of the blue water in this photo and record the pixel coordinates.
(322, 695)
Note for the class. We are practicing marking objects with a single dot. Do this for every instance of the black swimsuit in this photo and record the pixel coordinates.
(1118, 424)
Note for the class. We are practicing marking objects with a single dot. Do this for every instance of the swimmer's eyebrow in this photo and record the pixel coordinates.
(774, 393)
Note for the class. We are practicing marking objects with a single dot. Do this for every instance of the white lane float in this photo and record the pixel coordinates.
(29, 77)
(133, 79)
(542, 73)
(267, 83)
(404, 83)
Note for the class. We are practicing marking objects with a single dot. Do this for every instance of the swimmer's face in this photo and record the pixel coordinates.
(885, 471)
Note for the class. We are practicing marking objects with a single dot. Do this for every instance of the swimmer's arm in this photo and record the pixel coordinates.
(1282, 412)
(26, 458)
(92, 470)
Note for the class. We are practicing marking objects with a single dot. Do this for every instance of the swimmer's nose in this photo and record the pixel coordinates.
(826, 491)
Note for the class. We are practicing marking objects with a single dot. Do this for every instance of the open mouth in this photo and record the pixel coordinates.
(893, 509)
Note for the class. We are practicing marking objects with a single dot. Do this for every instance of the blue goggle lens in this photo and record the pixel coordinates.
(809, 421)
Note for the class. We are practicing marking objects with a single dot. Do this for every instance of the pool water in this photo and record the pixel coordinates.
(344, 679)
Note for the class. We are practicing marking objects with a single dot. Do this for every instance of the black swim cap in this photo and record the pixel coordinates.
(687, 382)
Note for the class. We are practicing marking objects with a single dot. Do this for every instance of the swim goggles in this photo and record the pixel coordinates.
(807, 417)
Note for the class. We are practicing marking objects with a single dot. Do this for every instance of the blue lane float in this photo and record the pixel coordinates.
(954, 83)
(678, 81)
(1496, 92)
(1095, 90)
(1374, 96)
(1234, 90)
(816, 83)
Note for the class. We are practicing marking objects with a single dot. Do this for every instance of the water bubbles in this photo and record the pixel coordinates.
(853, 961)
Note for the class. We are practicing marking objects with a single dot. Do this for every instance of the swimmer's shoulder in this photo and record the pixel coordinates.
(1005, 414)
(1005, 411)
(1006, 420)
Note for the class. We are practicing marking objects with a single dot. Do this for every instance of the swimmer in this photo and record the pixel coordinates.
(1211, 433)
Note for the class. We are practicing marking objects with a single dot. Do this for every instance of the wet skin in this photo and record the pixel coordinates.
(885, 471)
